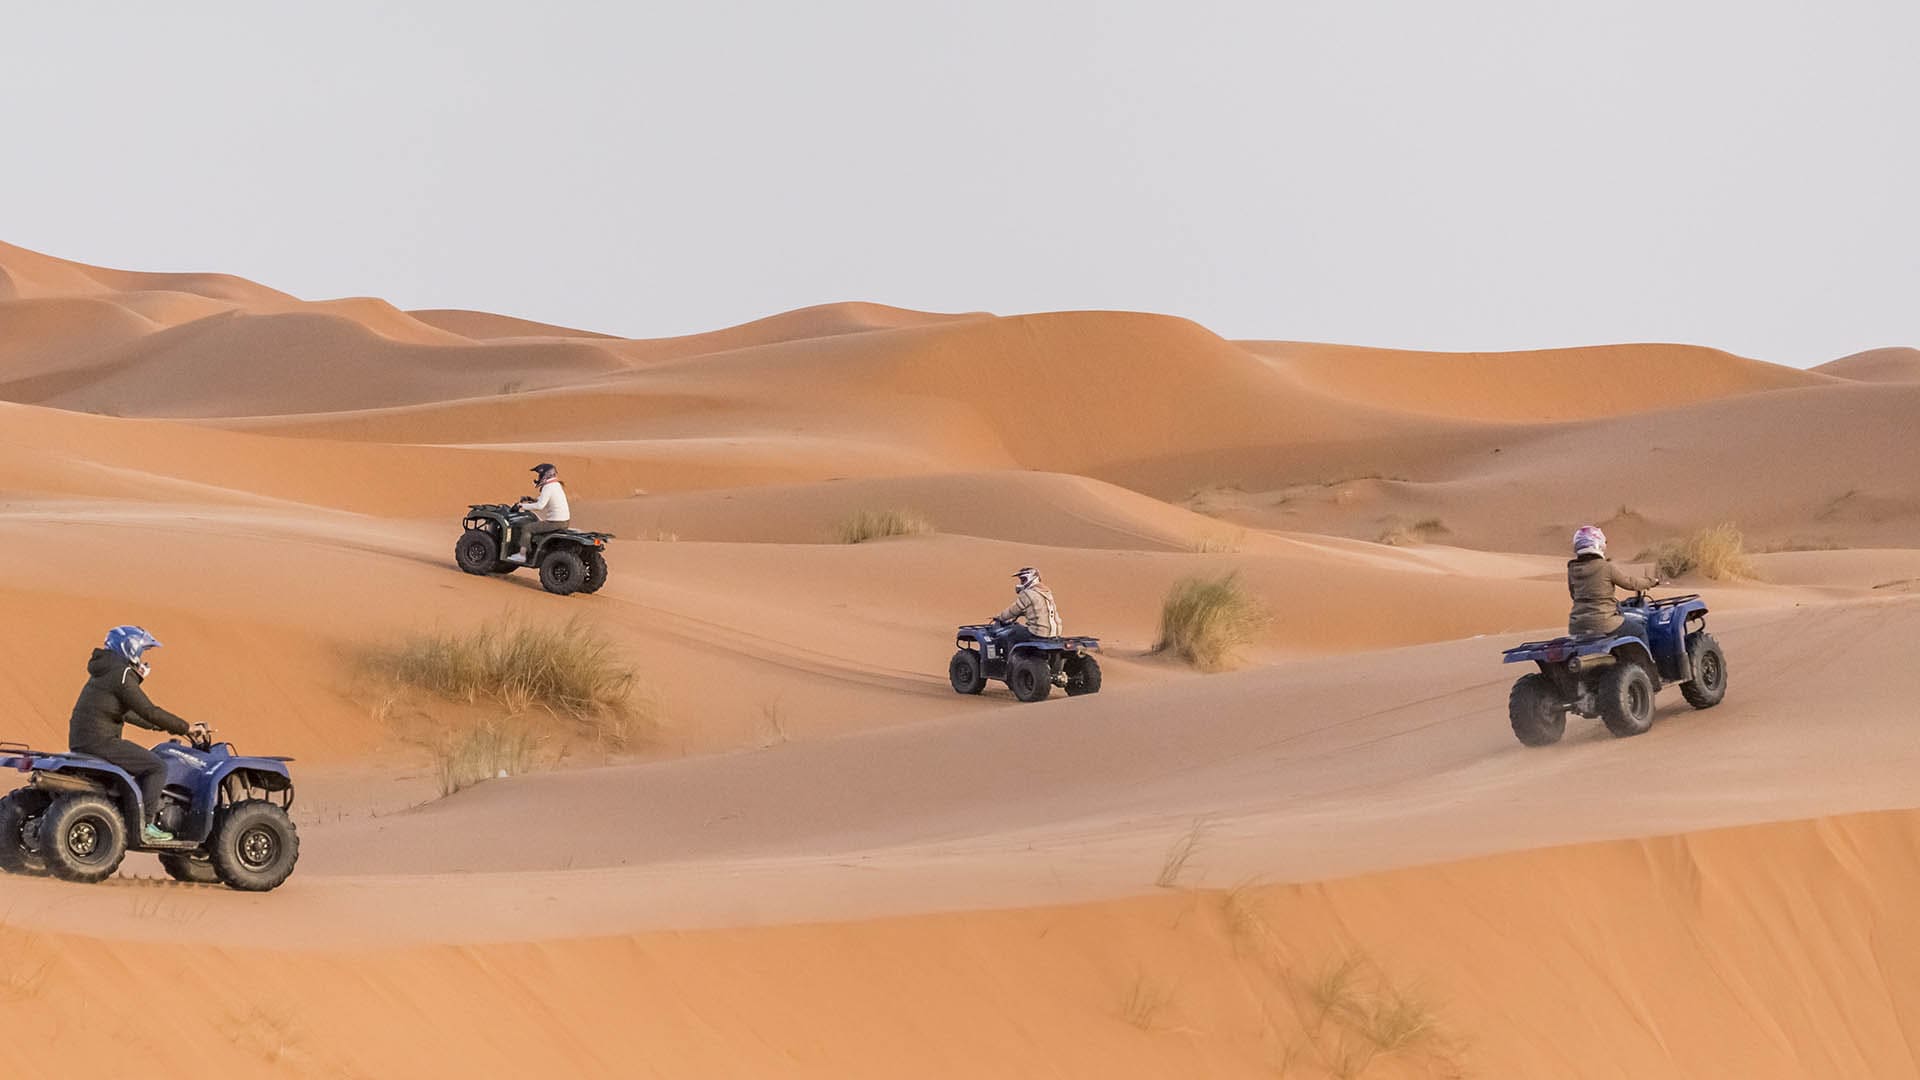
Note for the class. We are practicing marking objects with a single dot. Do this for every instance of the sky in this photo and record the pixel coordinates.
(1479, 174)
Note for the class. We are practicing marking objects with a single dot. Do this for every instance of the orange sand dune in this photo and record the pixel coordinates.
(1673, 957)
(1899, 365)
(27, 274)
(486, 326)
(1542, 384)
(816, 859)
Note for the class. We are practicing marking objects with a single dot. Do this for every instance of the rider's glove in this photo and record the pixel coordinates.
(199, 734)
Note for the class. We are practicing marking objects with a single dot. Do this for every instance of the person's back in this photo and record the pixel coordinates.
(1591, 581)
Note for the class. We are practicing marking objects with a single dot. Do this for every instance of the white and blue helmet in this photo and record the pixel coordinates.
(131, 644)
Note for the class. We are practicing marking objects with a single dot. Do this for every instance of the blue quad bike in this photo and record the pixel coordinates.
(78, 816)
(1029, 668)
(570, 561)
(1614, 678)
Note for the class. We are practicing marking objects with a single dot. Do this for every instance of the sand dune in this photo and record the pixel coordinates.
(1546, 384)
(1901, 365)
(818, 859)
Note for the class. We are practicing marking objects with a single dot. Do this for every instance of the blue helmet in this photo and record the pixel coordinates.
(131, 643)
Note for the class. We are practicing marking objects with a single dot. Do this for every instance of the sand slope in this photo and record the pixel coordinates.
(820, 861)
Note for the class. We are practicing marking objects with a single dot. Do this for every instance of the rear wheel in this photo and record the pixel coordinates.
(477, 552)
(1083, 676)
(1535, 711)
(19, 812)
(193, 869)
(254, 846)
(1030, 678)
(1709, 683)
(563, 572)
(83, 838)
(965, 673)
(1626, 699)
(596, 572)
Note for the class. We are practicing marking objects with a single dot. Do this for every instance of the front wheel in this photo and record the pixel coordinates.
(83, 838)
(192, 869)
(255, 846)
(1535, 711)
(563, 572)
(1709, 683)
(1030, 678)
(596, 572)
(477, 552)
(19, 812)
(1626, 699)
(965, 673)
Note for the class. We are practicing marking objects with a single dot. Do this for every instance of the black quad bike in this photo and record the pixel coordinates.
(570, 561)
(1031, 669)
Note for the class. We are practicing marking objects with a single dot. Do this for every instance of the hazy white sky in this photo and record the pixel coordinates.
(1473, 174)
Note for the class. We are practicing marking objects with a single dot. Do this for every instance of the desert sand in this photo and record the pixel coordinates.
(819, 860)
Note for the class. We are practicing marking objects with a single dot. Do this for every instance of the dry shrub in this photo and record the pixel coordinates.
(487, 750)
(1219, 543)
(1207, 621)
(1145, 1000)
(569, 668)
(569, 671)
(1399, 534)
(1718, 552)
(875, 524)
(1182, 850)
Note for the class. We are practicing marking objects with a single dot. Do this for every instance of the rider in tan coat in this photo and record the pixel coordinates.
(1591, 580)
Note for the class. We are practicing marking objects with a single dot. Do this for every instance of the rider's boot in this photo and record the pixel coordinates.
(154, 834)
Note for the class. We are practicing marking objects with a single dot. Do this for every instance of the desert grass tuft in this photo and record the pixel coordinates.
(1145, 1000)
(1219, 543)
(1180, 852)
(1207, 621)
(569, 668)
(1718, 552)
(1400, 534)
(465, 757)
(875, 524)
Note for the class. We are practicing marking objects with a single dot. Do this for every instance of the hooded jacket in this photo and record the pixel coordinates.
(111, 698)
(1591, 580)
(1034, 604)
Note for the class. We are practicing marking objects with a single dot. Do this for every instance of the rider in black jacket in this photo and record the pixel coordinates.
(113, 697)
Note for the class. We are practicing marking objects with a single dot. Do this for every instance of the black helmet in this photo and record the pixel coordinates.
(544, 471)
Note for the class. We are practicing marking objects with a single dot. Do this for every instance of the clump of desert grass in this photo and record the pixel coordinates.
(570, 668)
(1144, 1001)
(1400, 534)
(867, 525)
(489, 749)
(1181, 852)
(1718, 552)
(547, 680)
(1225, 542)
(1207, 621)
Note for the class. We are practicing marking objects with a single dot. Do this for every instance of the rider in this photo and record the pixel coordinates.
(1591, 580)
(111, 698)
(1033, 603)
(550, 511)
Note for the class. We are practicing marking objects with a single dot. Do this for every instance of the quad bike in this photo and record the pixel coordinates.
(78, 816)
(1614, 677)
(570, 561)
(1029, 668)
